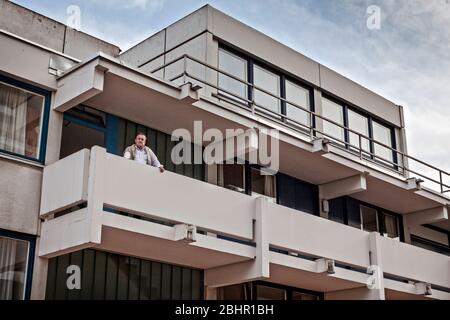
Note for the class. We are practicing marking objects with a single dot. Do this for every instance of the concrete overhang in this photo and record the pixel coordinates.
(108, 84)
(383, 187)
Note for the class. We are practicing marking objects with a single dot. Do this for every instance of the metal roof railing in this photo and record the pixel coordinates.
(396, 164)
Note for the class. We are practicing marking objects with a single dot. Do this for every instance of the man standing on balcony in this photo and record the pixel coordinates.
(141, 153)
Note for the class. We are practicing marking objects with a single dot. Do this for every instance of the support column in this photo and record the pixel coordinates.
(256, 269)
(376, 280)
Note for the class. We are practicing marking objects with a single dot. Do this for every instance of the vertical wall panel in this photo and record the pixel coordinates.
(197, 284)
(122, 279)
(112, 263)
(162, 145)
(87, 274)
(166, 283)
(176, 283)
(61, 277)
(111, 276)
(99, 275)
(186, 285)
(76, 258)
(135, 270)
(297, 194)
(155, 293)
(145, 276)
(51, 279)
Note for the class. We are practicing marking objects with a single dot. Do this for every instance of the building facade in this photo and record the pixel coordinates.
(346, 213)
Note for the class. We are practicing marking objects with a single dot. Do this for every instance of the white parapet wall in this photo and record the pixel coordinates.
(186, 205)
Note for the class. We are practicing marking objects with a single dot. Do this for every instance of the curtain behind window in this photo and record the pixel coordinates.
(13, 111)
(7, 263)
(13, 266)
(390, 223)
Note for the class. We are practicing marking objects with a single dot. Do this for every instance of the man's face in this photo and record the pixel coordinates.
(140, 141)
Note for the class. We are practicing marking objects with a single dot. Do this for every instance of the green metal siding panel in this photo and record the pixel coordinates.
(162, 145)
(111, 276)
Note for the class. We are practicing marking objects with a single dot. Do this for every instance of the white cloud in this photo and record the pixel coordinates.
(407, 61)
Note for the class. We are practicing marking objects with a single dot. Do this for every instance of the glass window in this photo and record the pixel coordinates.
(20, 121)
(263, 185)
(237, 67)
(269, 82)
(369, 218)
(299, 96)
(270, 293)
(232, 177)
(303, 296)
(333, 112)
(360, 124)
(239, 291)
(13, 268)
(76, 137)
(391, 227)
(382, 134)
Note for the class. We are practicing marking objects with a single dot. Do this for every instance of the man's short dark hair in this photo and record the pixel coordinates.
(141, 134)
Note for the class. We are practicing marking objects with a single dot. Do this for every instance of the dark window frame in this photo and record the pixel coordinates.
(30, 259)
(284, 76)
(289, 290)
(380, 212)
(345, 107)
(433, 244)
(45, 117)
(251, 61)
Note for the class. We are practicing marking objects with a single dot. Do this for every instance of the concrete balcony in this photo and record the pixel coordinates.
(80, 193)
(110, 85)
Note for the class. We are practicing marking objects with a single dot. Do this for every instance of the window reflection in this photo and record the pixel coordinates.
(335, 113)
(360, 124)
(13, 268)
(299, 96)
(382, 134)
(269, 82)
(237, 67)
(20, 121)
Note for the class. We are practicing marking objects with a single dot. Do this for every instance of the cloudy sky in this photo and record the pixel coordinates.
(407, 60)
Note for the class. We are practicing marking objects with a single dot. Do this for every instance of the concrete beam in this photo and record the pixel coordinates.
(428, 216)
(375, 282)
(79, 85)
(320, 146)
(414, 184)
(423, 289)
(185, 232)
(257, 269)
(343, 187)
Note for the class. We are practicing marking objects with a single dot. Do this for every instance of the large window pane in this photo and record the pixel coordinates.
(270, 293)
(391, 226)
(13, 268)
(263, 185)
(20, 121)
(237, 67)
(232, 176)
(369, 219)
(269, 82)
(382, 134)
(333, 112)
(299, 96)
(360, 124)
(303, 296)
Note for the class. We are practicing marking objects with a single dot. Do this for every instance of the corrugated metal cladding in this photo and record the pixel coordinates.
(115, 277)
(162, 145)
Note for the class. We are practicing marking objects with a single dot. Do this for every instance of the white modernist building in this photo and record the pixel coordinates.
(346, 214)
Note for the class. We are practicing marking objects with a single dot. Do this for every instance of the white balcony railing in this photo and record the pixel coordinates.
(103, 180)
